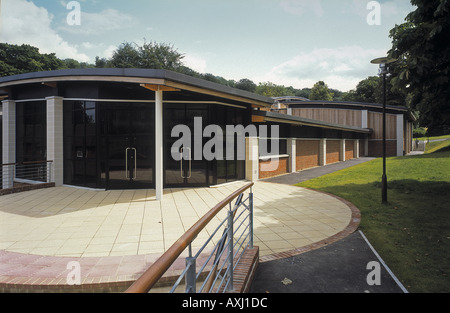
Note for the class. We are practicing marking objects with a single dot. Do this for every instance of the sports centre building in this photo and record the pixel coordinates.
(114, 129)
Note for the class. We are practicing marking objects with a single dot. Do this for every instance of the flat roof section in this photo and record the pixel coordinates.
(168, 79)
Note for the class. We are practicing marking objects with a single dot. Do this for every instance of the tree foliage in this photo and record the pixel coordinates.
(320, 91)
(15, 59)
(423, 67)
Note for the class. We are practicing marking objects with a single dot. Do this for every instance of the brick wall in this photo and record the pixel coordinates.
(282, 168)
(307, 154)
(333, 147)
(349, 149)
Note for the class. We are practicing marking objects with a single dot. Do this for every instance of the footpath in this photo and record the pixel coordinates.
(350, 265)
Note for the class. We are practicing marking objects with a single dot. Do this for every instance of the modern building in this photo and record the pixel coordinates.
(399, 121)
(116, 129)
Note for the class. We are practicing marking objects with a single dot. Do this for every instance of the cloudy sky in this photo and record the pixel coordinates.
(289, 42)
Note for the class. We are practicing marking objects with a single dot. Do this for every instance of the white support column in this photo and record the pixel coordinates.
(252, 158)
(159, 165)
(356, 148)
(55, 150)
(364, 119)
(342, 150)
(323, 152)
(400, 134)
(292, 151)
(9, 141)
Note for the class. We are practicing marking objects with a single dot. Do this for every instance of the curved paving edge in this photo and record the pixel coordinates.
(355, 220)
(35, 273)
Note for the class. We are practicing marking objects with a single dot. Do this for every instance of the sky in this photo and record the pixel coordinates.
(287, 42)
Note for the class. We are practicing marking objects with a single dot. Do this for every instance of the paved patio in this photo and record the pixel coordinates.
(116, 235)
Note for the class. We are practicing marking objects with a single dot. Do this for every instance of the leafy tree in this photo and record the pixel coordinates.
(15, 59)
(423, 67)
(246, 84)
(320, 91)
(150, 55)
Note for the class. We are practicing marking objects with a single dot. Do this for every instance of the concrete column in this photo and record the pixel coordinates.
(364, 119)
(292, 151)
(9, 141)
(356, 148)
(323, 152)
(159, 165)
(55, 150)
(400, 134)
(342, 150)
(252, 158)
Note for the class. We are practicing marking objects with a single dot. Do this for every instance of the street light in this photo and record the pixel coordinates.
(383, 71)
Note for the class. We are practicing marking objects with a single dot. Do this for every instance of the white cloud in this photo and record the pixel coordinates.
(300, 7)
(99, 23)
(196, 63)
(25, 23)
(340, 68)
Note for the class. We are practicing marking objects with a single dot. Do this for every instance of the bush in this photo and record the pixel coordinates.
(419, 132)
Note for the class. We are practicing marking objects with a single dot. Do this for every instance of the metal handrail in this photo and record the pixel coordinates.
(151, 276)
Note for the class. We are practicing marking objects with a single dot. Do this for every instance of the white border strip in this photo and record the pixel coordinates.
(384, 264)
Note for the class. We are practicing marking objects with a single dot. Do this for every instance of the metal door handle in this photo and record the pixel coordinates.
(127, 172)
(181, 163)
(190, 163)
(135, 163)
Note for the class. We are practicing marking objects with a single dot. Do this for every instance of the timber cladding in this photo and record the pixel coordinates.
(335, 116)
(333, 148)
(307, 152)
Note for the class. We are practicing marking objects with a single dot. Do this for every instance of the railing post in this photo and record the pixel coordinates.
(250, 199)
(230, 249)
(191, 283)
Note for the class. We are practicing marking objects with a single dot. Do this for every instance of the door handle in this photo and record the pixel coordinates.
(190, 163)
(127, 172)
(135, 163)
(181, 163)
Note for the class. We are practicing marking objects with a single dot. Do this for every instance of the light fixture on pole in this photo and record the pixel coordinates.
(383, 71)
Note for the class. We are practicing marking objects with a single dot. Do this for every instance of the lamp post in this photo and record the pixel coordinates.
(383, 71)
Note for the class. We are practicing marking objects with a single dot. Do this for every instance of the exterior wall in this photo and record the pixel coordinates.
(376, 148)
(283, 168)
(333, 148)
(336, 116)
(307, 154)
(349, 149)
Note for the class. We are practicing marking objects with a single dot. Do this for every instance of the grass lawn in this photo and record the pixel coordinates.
(412, 231)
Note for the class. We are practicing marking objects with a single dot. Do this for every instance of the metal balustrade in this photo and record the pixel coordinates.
(211, 268)
(25, 173)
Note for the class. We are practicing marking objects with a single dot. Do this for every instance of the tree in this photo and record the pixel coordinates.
(246, 84)
(15, 59)
(150, 55)
(320, 91)
(423, 67)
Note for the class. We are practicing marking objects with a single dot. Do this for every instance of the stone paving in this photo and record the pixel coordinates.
(117, 234)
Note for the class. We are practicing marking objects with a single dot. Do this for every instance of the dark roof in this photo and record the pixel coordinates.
(134, 73)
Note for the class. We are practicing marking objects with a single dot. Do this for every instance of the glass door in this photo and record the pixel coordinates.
(190, 169)
(130, 146)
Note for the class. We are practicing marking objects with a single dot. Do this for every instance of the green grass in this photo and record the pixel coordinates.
(412, 231)
(433, 138)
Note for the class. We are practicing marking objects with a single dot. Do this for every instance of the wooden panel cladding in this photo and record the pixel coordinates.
(375, 121)
(307, 154)
(333, 151)
(335, 116)
(349, 149)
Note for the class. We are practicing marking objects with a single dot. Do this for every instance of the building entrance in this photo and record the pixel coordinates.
(129, 129)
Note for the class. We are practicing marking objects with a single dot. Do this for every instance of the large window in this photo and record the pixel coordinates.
(31, 131)
(80, 143)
